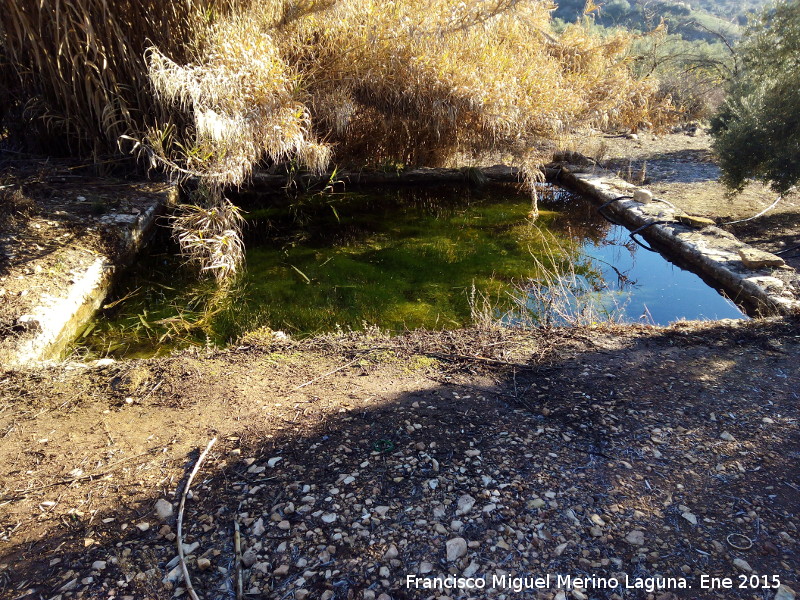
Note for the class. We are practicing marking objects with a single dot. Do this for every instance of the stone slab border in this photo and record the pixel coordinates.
(712, 253)
(57, 319)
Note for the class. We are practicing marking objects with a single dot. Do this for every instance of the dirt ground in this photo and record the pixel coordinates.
(646, 456)
(351, 463)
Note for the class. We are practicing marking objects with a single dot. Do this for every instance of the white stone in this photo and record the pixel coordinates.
(103, 362)
(98, 565)
(643, 196)
(258, 528)
(689, 517)
(465, 504)
(785, 593)
(456, 548)
(164, 509)
(174, 576)
(471, 569)
(597, 520)
(635, 537)
(742, 565)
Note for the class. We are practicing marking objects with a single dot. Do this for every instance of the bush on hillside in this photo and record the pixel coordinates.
(757, 130)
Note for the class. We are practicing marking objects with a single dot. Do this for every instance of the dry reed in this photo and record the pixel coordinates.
(214, 87)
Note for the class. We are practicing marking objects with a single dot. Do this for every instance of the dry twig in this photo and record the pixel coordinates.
(237, 544)
(179, 539)
(324, 375)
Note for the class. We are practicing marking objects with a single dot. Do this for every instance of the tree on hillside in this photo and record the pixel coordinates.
(757, 130)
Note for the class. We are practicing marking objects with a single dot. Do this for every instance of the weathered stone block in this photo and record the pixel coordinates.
(753, 258)
(696, 222)
(643, 196)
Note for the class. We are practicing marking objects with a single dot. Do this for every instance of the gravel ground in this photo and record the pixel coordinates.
(650, 458)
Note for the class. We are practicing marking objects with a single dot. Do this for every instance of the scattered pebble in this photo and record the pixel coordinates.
(635, 537)
(456, 548)
(164, 509)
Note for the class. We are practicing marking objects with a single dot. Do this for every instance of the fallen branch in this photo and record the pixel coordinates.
(324, 375)
(237, 545)
(179, 538)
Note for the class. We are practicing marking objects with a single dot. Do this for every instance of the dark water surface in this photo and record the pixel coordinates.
(434, 257)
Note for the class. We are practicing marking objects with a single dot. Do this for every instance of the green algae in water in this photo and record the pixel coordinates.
(403, 259)
(399, 259)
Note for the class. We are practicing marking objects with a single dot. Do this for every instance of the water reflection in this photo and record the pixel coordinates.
(402, 258)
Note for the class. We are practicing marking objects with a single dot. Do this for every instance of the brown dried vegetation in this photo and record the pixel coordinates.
(213, 87)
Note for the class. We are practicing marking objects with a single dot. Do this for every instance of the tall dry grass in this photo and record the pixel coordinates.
(567, 292)
(77, 67)
(213, 87)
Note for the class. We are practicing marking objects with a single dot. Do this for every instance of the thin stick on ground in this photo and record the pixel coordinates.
(237, 545)
(179, 539)
(324, 375)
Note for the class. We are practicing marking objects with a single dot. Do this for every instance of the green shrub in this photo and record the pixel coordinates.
(757, 130)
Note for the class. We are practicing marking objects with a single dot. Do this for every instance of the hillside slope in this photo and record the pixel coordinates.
(693, 20)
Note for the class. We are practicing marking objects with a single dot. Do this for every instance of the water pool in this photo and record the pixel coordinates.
(436, 257)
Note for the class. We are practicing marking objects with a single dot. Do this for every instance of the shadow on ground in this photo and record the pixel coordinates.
(769, 232)
(596, 454)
